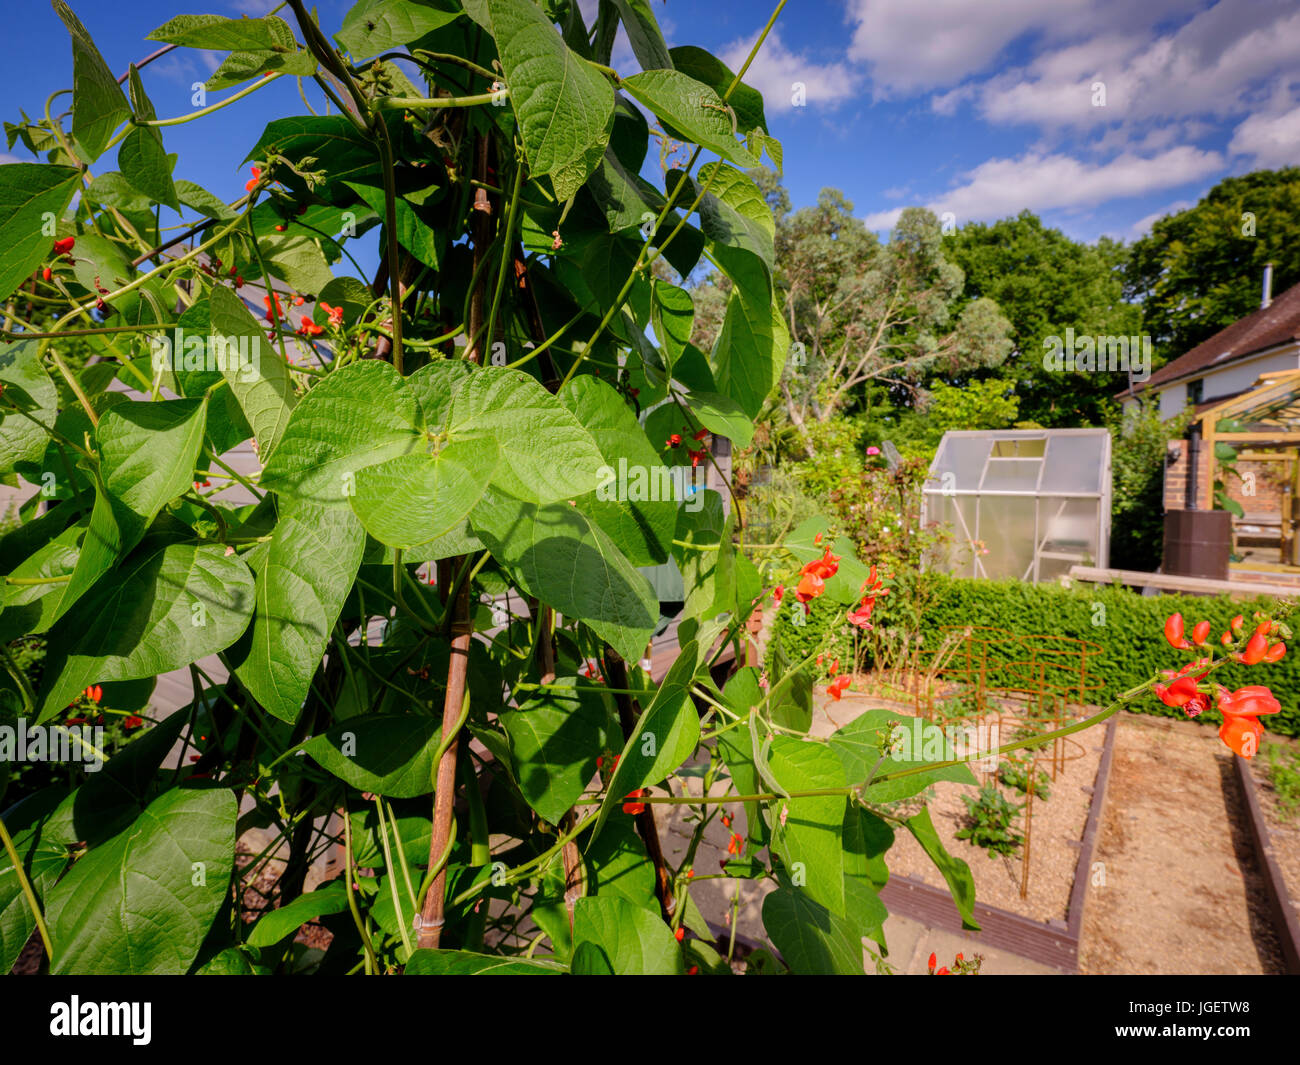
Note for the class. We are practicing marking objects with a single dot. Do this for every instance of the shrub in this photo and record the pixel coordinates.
(799, 641)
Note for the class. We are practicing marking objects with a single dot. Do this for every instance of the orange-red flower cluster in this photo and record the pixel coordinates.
(1241, 730)
(871, 589)
(814, 575)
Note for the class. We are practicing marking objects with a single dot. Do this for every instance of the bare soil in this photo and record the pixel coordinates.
(1054, 830)
(1178, 888)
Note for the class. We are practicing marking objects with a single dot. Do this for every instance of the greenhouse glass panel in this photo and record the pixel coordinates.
(1020, 504)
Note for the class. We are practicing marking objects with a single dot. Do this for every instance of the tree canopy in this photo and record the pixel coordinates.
(1201, 269)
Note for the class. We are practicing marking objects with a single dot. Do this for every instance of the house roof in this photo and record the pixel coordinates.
(1267, 327)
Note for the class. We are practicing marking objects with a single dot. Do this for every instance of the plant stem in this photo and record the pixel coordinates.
(28, 893)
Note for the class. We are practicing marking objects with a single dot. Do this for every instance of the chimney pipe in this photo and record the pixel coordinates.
(1268, 286)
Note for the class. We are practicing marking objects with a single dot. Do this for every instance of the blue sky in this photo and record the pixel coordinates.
(977, 107)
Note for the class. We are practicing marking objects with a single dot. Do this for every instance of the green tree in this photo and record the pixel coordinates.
(1044, 282)
(861, 311)
(1139, 443)
(1201, 269)
(989, 404)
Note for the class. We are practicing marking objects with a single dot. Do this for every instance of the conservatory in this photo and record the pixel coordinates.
(1022, 504)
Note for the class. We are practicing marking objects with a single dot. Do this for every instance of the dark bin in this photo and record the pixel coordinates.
(1198, 543)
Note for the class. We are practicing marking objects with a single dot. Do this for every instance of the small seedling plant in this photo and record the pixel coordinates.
(1284, 776)
(991, 822)
(1015, 772)
(429, 604)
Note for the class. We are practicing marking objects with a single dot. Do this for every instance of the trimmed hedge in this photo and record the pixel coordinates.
(800, 641)
(1129, 627)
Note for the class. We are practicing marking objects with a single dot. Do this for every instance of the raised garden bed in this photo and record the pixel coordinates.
(1277, 843)
(1045, 925)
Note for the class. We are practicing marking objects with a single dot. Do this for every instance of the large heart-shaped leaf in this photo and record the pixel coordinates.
(30, 193)
(546, 454)
(358, 416)
(563, 558)
(29, 401)
(565, 106)
(142, 902)
(260, 382)
(806, 832)
(634, 941)
(811, 939)
(167, 605)
(375, 26)
(227, 34)
(638, 510)
(147, 455)
(691, 108)
(413, 499)
(302, 581)
(385, 754)
(554, 742)
(665, 735)
(98, 104)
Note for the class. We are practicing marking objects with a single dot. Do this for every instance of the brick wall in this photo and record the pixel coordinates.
(1269, 481)
(1176, 477)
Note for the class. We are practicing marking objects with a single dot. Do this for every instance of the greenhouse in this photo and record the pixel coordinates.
(1022, 504)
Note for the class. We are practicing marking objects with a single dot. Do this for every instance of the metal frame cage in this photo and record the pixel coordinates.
(1022, 504)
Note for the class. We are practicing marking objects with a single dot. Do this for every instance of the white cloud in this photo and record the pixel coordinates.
(776, 70)
(1271, 139)
(1210, 65)
(1037, 182)
(921, 44)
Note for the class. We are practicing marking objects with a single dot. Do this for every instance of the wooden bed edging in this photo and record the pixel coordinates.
(1055, 944)
(1279, 901)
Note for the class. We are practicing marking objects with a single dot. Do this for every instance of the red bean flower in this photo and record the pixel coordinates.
(1241, 730)
(1250, 701)
(836, 687)
(871, 588)
(636, 807)
(1174, 633)
(1178, 693)
(1256, 648)
(64, 245)
(1241, 735)
(809, 587)
(1200, 633)
(825, 567)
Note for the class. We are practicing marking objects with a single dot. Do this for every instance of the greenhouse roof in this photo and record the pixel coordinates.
(1068, 462)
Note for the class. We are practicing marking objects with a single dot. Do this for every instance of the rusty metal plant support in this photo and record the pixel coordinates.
(1043, 673)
